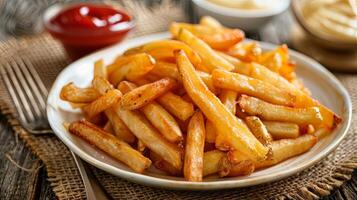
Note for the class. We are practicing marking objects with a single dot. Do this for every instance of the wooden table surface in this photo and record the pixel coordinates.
(27, 179)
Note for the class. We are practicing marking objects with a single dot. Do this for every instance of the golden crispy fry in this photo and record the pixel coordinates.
(145, 94)
(99, 69)
(161, 164)
(121, 131)
(232, 133)
(137, 67)
(110, 144)
(207, 79)
(166, 50)
(211, 161)
(176, 105)
(210, 58)
(211, 132)
(217, 38)
(108, 128)
(102, 103)
(239, 166)
(251, 86)
(254, 70)
(210, 22)
(166, 69)
(74, 94)
(163, 121)
(298, 84)
(101, 84)
(282, 130)
(287, 148)
(193, 164)
(145, 132)
(267, 111)
(259, 130)
(228, 98)
(247, 52)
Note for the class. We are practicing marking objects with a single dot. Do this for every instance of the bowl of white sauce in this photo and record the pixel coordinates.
(331, 23)
(248, 15)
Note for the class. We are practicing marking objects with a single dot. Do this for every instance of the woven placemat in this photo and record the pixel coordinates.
(49, 59)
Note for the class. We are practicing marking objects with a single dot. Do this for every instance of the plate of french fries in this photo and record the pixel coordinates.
(199, 108)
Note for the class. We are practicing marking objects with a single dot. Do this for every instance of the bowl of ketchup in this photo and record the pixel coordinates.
(86, 27)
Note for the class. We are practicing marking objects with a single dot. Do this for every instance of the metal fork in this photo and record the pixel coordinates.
(29, 96)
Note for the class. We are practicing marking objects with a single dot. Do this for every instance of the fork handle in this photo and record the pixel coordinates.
(94, 190)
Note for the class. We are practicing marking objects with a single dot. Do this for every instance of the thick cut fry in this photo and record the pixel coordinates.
(195, 140)
(232, 133)
(167, 48)
(211, 132)
(217, 38)
(210, 58)
(145, 94)
(287, 148)
(282, 130)
(239, 166)
(74, 94)
(228, 98)
(210, 22)
(102, 103)
(166, 69)
(251, 86)
(267, 111)
(120, 130)
(247, 52)
(145, 132)
(161, 164)
(110, 144)
(163, 121)
(211, 161)
(254, 70)
(101, 85)
(176, 105)
(137, 67)
(99, 69)
(259, 130)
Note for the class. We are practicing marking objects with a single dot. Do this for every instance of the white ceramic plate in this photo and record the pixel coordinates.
(324, 86)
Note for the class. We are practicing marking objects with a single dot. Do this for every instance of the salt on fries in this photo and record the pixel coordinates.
(203, 103)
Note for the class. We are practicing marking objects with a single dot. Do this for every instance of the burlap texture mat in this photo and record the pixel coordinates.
(48, 57)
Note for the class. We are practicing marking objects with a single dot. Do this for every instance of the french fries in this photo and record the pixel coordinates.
(74, 94)
(145, 132)
(140, 65)
(199, 104)
(195, 140)
(100, 69)
(253, 87)
(210, 58)
(287, 148)
(120, 130)
(211, 161)
(282, 130)
(110, 144)
(176, 106)
(102, 103)
(232, 133)
(164, 49)
(267, 111)
(145, 94)
(217, 38)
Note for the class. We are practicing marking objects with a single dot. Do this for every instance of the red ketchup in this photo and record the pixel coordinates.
(84, 28)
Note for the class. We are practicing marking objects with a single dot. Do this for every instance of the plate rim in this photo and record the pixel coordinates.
(209, 185)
